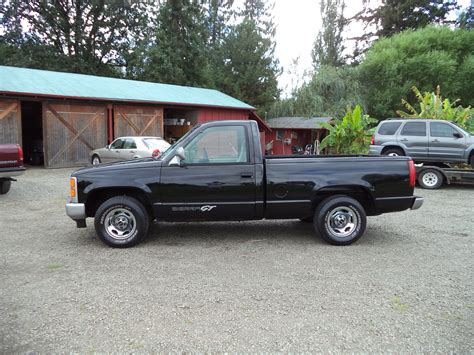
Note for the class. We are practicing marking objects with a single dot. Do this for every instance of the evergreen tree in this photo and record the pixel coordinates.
(91, 35)
(249, 69)
(329, 46)
(179, 52)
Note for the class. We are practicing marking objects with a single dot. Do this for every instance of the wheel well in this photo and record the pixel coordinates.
(96, 197)
(358, 193)
(392, 147)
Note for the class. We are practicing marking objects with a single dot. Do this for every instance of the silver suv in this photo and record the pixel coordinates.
(424, 140)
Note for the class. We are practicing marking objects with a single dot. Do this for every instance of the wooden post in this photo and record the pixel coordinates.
(110, 125)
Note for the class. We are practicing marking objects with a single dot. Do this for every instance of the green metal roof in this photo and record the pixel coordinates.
(57, 84)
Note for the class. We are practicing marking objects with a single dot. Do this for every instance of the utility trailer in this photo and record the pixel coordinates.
(434, 176)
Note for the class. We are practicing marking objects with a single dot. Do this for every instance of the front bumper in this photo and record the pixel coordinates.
(77, 212)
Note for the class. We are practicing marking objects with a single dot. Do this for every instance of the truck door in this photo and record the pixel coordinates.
(216, 180)
(447, 144)
(413, 136)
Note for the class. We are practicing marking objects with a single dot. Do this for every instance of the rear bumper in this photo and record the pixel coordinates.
(396, 204)
(376, 150)
(10, 172)
(417, 203)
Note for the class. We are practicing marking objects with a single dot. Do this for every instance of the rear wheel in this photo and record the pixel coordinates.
(5, 186)
(121, 221)
(340, 220)
(471, 161)
(430, 179)
(393, 152)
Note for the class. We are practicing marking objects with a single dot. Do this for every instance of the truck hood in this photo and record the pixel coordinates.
(119, 166)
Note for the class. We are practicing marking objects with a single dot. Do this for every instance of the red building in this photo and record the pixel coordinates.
(67, 115)
(290, 135)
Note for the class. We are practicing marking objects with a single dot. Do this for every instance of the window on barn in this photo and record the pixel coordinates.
(280, 135)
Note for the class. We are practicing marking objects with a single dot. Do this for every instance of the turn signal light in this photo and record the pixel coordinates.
(72, 187)
(156, 153)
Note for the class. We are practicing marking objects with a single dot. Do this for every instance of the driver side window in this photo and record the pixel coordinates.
(218, 145)
(117, 144)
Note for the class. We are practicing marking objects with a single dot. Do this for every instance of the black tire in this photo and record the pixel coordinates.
(346, 209)
(471, 161)
(394, 152)
(133, 223)
(5, 186)
(430, 179)
(307, 220)
(95, 156)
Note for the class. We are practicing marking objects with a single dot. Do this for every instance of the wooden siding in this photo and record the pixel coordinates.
(71, 131)
(10, 122)
(138, 121)
(213, 114)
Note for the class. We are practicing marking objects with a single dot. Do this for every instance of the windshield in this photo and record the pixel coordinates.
(175, 144)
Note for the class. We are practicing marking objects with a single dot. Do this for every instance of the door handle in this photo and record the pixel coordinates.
(404, 140)
(132, 151)
(246, 176)
(435, 141)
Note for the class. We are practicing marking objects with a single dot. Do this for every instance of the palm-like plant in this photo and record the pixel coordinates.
(351, 135)
(434, 107)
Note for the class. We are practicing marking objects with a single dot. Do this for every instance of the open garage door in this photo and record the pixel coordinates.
(10, 122)
(71, 131)
(138, 121)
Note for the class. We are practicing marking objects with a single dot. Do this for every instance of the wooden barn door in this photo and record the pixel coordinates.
(10, 122)
(71, 131)
(138, 121)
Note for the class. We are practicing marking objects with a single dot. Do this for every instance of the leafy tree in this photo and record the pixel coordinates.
(395, 16)
(424, 58)
(351, 135)
(432, 105)
(91, 34)
(249, 70)
(329, 44)
(328, 93)
(466, 18)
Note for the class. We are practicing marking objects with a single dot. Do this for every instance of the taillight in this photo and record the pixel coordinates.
(372, 141)
(411, 166)
(20, 154)
(156, 153)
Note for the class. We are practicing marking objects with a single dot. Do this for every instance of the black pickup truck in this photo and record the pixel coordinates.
(217, 172)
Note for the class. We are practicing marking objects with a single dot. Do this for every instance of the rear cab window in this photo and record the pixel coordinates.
(415, 129)
(388, 128)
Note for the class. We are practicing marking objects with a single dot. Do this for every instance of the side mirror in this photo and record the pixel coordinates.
(178, 158)
(180, 153)
(457, 135)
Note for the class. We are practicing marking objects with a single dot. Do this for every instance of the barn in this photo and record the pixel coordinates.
(66, 115)
(290, 135)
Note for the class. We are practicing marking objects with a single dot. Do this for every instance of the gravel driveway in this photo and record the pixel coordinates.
(406, 286)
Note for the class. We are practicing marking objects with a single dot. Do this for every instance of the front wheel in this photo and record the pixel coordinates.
(430, 179)
(471, 161)
(95, 160)
(340, 220)
(5, 186)
(121, 222)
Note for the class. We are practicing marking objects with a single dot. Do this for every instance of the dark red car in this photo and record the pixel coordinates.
(11, 164)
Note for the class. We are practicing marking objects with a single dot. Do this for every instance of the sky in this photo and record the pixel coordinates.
(298, 23)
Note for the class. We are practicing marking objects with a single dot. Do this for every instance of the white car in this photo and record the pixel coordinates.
(127, 148)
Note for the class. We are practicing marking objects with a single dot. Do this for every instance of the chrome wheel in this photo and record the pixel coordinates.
(95, 160)
(392, 154)
(342, 221)
(430, 179)
(120, 223)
